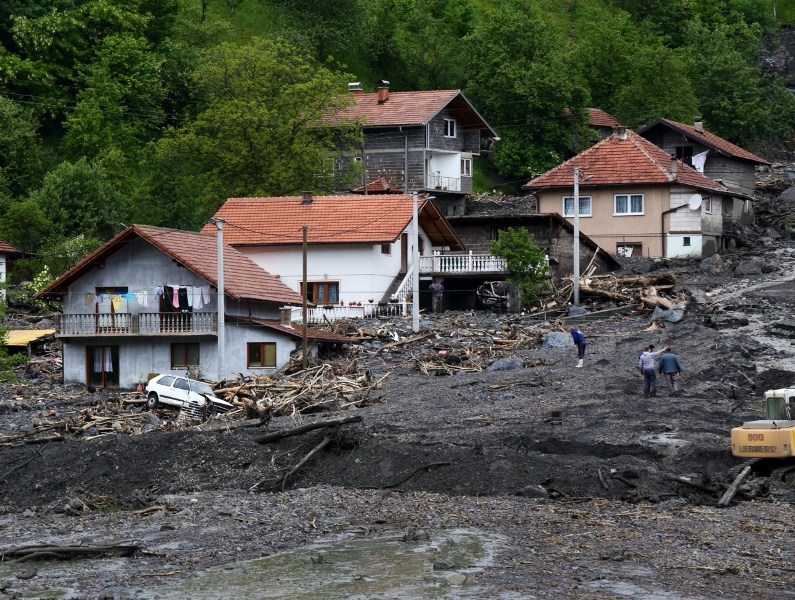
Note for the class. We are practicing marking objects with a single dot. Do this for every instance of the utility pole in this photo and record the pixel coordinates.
(219, 223)
(304, 333)
(415, 263)
(576, 255)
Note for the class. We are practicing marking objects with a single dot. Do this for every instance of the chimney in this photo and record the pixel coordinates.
(698, 124)
(620, 131)
(355, 87)
(383, 91)
(642, 124)
(286, 316)
(306, 198)
(674, 165)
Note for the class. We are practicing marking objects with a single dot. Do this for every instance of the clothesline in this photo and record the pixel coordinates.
(179, 296)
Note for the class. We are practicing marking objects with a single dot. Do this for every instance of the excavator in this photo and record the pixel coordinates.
(773, 436)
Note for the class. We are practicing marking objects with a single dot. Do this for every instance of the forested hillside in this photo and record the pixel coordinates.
(116, 112)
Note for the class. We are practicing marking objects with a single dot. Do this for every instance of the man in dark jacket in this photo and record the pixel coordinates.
(670, 369)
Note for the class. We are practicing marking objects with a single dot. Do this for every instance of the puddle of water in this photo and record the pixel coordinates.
(382, 568)
(666, 442)
(626, 589)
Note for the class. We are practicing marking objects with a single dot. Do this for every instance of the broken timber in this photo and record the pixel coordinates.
(278, 435)
(26, 553)
(729, 493)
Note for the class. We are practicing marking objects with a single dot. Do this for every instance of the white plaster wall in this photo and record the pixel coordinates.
(677, 249)
(361, 270)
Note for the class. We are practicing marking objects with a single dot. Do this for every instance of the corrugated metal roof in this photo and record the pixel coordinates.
(22, 337)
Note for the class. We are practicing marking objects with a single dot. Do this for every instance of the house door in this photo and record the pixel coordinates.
(102, 366)
(404, 252)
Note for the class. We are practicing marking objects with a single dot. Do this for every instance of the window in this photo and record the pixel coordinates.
(184, 355)
(466, 167)
(386, 249)
(686, 241)
(585, 206)
(449, 128)
(182, 384)
(685, 153)
(708, 204)
(261, 355)
(322, 292)
(357, 159)
(628, 204)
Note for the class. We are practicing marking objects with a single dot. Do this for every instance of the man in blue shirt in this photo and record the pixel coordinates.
(579, 341)
(670, 369)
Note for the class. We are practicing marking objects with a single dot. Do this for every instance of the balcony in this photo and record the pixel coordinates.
(462, 264)
(106, 324)
(440, 182)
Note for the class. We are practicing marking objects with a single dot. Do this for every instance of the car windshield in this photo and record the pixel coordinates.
(201, 388)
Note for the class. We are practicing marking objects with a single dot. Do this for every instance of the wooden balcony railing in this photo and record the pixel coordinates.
(191, 323)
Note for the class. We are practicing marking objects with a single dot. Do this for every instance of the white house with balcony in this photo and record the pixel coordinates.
(358, 248)
(148, 302)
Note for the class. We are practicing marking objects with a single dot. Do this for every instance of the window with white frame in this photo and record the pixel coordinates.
(585, 206)
(449, 128)
(466, 167)
(708, 205)
(628, 204)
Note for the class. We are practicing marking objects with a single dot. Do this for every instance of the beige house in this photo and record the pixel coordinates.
(637, 200)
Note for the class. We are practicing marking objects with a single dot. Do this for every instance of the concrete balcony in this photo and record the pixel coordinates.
(463, 264)
(142, 324)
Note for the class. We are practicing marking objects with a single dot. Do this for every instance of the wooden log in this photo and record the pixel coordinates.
(26, 553)
(698, 486)
(278, 435)
(732, 490)
(325, 442)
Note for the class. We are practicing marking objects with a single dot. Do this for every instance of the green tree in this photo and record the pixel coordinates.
(527, 263)
(21, 155)
(260, 129)
(80, 197)
(523, 80)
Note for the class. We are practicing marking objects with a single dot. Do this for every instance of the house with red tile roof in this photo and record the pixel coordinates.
(715, 157)
(420, 140)
(359, 247)
(603, 122)
(148, 302)
(635, 199)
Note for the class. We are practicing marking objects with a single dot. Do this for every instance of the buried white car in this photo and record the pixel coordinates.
(194, 397)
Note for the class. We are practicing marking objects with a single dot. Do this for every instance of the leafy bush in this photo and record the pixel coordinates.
(527, 263)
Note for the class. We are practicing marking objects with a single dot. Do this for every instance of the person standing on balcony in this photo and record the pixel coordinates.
(580, 342)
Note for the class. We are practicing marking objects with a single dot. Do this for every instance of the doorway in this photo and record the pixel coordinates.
(102, 366)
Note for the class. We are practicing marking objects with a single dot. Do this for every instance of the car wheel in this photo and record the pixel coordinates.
(152, 401)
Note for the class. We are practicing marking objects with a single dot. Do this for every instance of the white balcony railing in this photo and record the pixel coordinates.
(440, 182)
(323, 314)
(462, 263)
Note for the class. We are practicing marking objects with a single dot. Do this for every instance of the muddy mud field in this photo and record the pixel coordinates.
(537, 481)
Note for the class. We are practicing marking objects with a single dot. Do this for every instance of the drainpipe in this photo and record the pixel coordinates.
(219, 223)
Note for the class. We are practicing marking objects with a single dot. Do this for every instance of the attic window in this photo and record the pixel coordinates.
(449, 128)
(685, 154)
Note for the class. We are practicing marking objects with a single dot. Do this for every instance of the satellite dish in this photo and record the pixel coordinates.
(694, 202)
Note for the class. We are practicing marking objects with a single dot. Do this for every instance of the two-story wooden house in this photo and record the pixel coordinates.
(418, 141)
(713, 156)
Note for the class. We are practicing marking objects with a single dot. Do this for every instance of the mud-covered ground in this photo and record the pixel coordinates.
(585, 504)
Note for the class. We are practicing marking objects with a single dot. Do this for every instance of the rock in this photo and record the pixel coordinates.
(714, 265)
(28, 513)
(532, 491)
(672, 316)
(576, 311)
(557, 339)
(748, 267)
(726, 320)
(505, 364)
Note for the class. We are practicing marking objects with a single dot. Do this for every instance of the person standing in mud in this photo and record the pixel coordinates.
(579, 341)
(646, 363)
(670, 370)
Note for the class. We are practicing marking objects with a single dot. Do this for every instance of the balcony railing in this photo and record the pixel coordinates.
(440, 182)
(462, 263)
(322, 314)
(191, 323)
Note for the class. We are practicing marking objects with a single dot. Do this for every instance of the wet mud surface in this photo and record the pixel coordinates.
(573, 470)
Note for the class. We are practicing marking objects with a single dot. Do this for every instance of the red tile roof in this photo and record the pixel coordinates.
(243, 279)
(6, 248)
(710, 140)
(411, 109)
(599, 118)
(352, 219)
(616, 161)
(379, 186)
